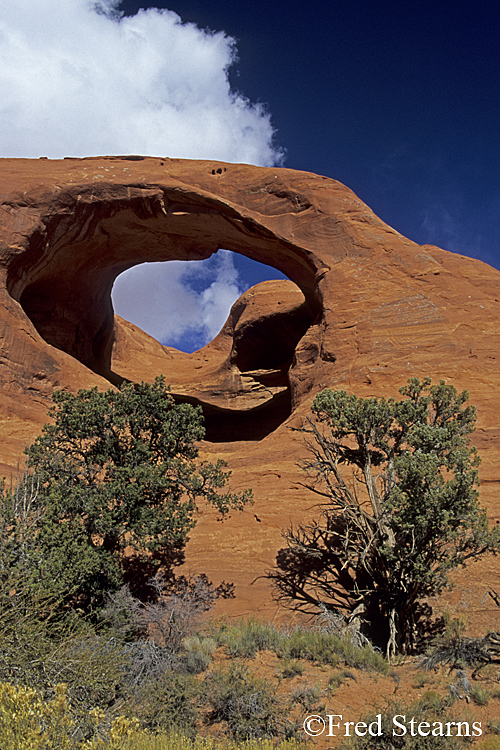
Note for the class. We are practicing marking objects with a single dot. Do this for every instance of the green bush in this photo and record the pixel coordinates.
(246, 637)
(292, 668)
(199, 653)
(479, 695)
(311, 645)
(246, 705)
(168, 703)
(361, 657)
(325, 648)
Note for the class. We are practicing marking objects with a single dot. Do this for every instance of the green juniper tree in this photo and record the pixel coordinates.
(400, 509)
(117, 485)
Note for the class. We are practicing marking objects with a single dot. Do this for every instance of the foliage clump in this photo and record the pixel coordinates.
(111, 493)
(245, 638)
(30, 721)
(245, 705)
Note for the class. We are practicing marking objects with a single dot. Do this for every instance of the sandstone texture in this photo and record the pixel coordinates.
(364, 310)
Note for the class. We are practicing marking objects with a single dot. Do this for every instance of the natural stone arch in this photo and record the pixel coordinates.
(63, 281)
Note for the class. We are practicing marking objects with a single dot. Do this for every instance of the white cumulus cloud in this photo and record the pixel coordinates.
(77, 78)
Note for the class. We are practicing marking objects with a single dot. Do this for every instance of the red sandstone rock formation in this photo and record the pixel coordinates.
(368, 309)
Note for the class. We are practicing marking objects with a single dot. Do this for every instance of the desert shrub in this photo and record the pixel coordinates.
(30, 722)
(338, 678)
(325, 648)
(450, 647)
(432, 701)
(361, 657)
(39, 650)
(174, 610)
(494, 725)
(158, 635)
(479, 695)
(307, 696)
(292, 668)
(246, 705)
(421, 679)
(175, 741)
(199, 651)
(491, 743)
(464, 652)
(246, 637)
(168, 703)
(311, 645)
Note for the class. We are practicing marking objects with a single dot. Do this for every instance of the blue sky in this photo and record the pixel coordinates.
(399, 101)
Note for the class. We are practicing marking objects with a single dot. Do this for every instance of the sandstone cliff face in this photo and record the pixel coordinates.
(368, 309)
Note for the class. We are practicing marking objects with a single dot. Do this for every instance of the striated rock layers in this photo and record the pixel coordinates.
(367, 309)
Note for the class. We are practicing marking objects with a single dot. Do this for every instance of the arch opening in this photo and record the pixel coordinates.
(240, 377)
(184, 304)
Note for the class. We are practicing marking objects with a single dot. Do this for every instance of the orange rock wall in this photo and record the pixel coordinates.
(368, 309)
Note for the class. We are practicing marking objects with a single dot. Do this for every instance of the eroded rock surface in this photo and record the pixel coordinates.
(367, 309)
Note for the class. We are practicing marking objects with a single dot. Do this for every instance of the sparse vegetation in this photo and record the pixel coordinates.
(441, 728)
(199, 651)
(491, 743)
(247, 637)
(494, 725)
(246, 706)
(454, 650)
(292, 669)
(423, 678)
(479, 695)
(339, 678)
(307, 696)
